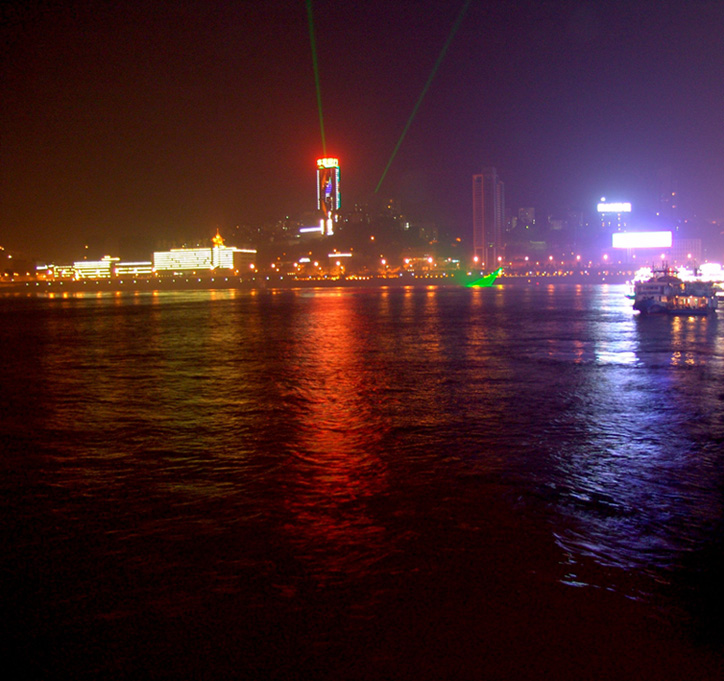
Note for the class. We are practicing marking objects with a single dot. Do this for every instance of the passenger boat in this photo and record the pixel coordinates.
(665, 293)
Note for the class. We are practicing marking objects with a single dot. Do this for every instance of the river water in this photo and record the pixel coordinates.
(519, 482)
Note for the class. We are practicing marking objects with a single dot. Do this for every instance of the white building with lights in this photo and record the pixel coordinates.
(199, 260)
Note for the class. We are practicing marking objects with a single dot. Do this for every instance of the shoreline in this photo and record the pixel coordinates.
(186, 283)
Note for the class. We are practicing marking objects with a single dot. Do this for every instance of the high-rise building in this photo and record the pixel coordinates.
(488, 215)
(328, 194)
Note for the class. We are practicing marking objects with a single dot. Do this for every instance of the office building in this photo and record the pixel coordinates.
(488, 215)
(219, 257)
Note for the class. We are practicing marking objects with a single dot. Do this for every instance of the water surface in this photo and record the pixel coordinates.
(385, 483)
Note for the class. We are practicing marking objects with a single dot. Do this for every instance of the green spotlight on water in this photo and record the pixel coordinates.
(487, 280)
(315, 65)
(424, 90)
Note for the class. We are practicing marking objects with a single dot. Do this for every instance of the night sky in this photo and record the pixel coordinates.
(125, 122)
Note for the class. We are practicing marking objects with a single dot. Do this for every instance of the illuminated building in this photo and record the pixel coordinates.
(134, 269)
(613, 215)
(105, 268)
(328, 194)
(182, 259)
(219, 257)
(54, 272)
(95, 269)
(488, 215)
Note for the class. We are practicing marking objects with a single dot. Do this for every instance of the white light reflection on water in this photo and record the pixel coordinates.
(636, 489)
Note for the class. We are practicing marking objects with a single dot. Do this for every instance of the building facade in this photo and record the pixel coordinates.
(179, 260)
(488, 216)
(95, 269)
(329, 198)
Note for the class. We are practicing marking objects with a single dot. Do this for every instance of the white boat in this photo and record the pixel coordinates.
(666, 293)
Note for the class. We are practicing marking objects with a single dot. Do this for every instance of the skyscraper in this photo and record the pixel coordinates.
(328, 195)
(488, 215)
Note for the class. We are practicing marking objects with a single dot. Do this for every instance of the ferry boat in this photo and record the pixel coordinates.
(665, 293)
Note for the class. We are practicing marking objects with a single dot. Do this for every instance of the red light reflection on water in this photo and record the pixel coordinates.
(335, 469)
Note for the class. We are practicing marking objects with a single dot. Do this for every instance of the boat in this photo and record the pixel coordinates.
(666, 293)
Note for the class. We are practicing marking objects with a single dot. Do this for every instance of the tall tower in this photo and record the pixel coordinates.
(488, 215)
(328, 195)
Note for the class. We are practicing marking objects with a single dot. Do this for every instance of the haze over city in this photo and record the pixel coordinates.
(136, 123)
(465, 422)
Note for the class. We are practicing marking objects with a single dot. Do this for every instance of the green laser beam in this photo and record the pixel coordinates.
(424, 90)
(315, 65)
(486, 281)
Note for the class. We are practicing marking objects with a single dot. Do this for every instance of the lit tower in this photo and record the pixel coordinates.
(328, 196)
(488, 212)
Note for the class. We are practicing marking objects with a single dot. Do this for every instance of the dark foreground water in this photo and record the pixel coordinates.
(509, 483)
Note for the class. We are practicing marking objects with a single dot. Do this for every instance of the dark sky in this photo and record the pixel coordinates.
(125, 118)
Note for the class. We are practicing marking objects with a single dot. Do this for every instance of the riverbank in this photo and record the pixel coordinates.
(149, 284)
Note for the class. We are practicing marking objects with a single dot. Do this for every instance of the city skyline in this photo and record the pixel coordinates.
(139, 122)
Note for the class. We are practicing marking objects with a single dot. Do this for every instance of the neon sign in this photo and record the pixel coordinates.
(614, 207)
(327, 163)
